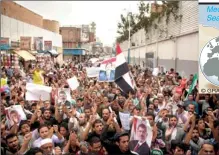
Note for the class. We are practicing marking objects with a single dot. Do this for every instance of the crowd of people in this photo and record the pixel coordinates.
(182, 122)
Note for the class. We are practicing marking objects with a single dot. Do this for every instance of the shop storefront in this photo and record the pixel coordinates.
(25, 58)
(74, 54)
(33, 39)
(8, 57)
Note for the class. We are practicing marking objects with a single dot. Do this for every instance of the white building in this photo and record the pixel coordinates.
(172, 45)
(14, 29)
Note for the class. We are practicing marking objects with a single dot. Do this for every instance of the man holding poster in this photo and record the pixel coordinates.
(139, 144)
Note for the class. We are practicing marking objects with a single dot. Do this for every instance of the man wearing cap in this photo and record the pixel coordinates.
(48, 149)
(156, 152)
(140, 146)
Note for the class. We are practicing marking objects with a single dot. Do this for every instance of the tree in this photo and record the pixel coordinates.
(145, 19)
(123, 25)
(142, 11)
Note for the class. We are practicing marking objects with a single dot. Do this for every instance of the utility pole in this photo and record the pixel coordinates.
(129, 45)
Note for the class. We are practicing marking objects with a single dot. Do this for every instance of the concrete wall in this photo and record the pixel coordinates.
(174, 44)
(51, 25)
(16, 11)
(14, 29)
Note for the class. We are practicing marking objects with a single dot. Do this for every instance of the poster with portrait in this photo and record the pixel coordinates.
(106, 75)
(38, 43)
(15, 114)
(25, 43)
(47, 45)
(141, 133)
(64, 97)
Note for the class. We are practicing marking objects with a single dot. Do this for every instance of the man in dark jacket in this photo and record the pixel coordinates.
(121, 145)
(140, 146)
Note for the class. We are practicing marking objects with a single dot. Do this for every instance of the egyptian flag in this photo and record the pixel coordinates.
(123, 76)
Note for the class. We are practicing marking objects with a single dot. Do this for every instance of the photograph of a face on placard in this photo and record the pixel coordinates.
(106, 76)
(141, 136)
(111, 76)
(15, 114)
(102, 76)
(63, 96)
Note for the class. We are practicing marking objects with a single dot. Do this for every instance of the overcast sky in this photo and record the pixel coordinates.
(105, 14)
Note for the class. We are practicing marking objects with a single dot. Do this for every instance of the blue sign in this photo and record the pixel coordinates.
(4, 44)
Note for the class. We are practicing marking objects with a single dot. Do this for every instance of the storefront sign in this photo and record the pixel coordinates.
(38, 43)
(47, 45)
(15, 44)
(25, 43)
(4, 43)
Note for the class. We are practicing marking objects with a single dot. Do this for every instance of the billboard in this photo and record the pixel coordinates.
(15, 44)
(25, 43)
(4, 43)
(38, 43)
(47, 45)
(85, 33)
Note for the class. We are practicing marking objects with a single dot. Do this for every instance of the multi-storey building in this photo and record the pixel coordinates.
(76, 42)
(18, 21)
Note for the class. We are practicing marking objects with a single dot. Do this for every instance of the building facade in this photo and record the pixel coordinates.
(77, 41)
(17, 22)
(172, 45)
(71, 37)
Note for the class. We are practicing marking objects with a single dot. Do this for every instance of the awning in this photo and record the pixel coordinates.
(25, 55)
(73, 52)
(33, 52)
(53, 52)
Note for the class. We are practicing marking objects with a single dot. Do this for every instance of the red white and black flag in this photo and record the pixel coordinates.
(123, 76)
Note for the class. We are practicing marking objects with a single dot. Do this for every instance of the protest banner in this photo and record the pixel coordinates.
(92, 71)
(124, 118)
(155, 71)
(73, 83)
(36, 92)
